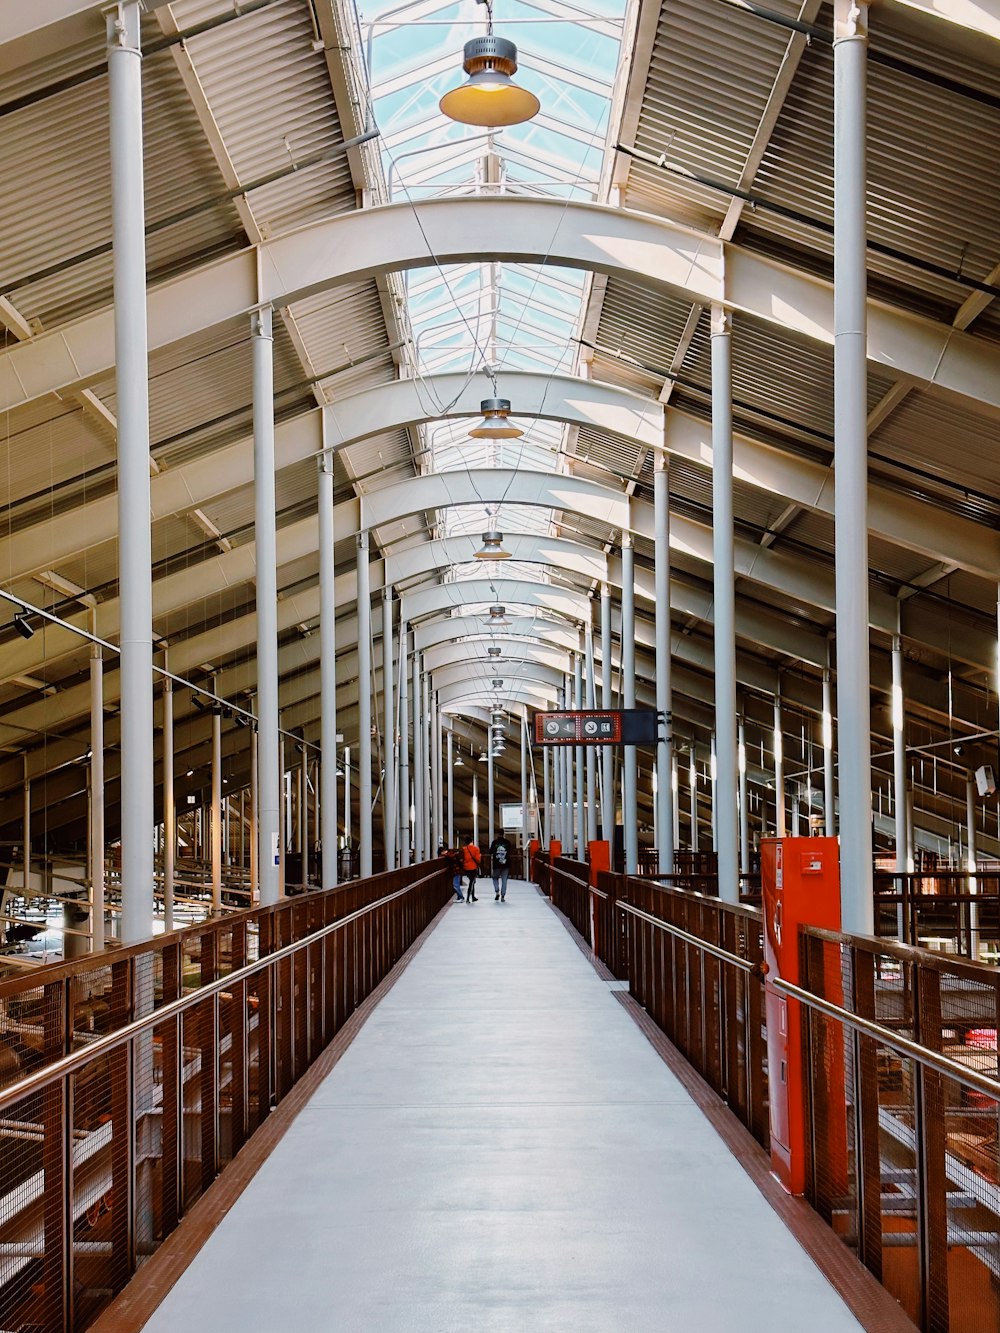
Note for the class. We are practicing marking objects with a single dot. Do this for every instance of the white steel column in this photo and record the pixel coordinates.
(364, 707)
(328, 675)
(96, 850)
(724, 795)
(490, 793)
(607, 754)
(132, 410)
(450, 778)
(898, 752)
(404, 746)
(254, 819)
(581, 813)
(779, 769)
(591, 749)
(270, 777)
(829, 799)
(215, 828)
(388, 734)
(525, 808)
(546, 797)
(630, 765)
(419, 780)
(693, 797)
(303, 813)
(26, 831)
(666, 834)
(744, 795)
(675, 795)
(851, 466)
(347, 806)
(427, 777)
(970, 834)
(437, 822)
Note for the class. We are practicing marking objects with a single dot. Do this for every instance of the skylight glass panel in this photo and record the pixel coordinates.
(482, 320)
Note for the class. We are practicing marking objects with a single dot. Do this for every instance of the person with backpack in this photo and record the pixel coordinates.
(472, 859)
(500, 854)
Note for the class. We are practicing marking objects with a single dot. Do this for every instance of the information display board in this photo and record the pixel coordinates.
(620, 726)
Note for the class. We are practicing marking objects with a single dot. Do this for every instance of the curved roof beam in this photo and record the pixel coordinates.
(430, 557)
(511, 592)
(594, 237)
(453, 697)
(493, 486)
(514, 651)
(535, 672)
(569, 398)
(552, 632)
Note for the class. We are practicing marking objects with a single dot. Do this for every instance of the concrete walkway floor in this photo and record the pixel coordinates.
(501, 1149)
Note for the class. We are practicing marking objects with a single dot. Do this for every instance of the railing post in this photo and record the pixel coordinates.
(930, 1138)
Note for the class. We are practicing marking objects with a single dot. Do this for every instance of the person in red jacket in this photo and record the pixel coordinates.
(472, 859)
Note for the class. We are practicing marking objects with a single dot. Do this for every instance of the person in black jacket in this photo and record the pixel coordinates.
(500, 854)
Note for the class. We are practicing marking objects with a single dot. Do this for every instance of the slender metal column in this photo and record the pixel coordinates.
(419, 781)
(215, 827)
(724, 795)
(284, 812)
(525, 815)
(132, 410)
(254, 820)
(269, 776)
(475, 807)
(666, 833)
(427, 776)
(851, 466)
(304, 811)
(693, 798)
(97, 793)
(437, 823)
(388, 733)
(404, 746)
(26, 831)
(675, 794)
(490, 794)
(450, 776)
(566, 752)
(898, 752)
(591, 749)
(364, 708)
(546, 833)
(607, 754)
(713, 788)
(630, 807)
(970, 833)
(829, 797)
(327, 674)
(581, 808)
(347, 804)
(779, 769)
(741, 742)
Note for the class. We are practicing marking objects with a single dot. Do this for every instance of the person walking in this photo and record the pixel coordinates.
(500, 854)
(454, 858)
(472, 859)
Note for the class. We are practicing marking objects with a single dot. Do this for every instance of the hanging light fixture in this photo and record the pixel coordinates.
(497, 616)
(483, 758)
(492, 547)
(496, 423)
(495, 651)
(497, 684)
(459, 762)
(489, 97)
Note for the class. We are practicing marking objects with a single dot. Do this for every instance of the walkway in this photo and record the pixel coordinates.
(501, 1149)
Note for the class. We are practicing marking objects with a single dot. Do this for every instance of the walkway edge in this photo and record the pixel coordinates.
(875, 1308)
(136, 1303)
